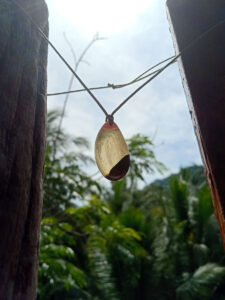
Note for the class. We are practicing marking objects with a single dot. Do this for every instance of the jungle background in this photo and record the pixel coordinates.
(123, 242)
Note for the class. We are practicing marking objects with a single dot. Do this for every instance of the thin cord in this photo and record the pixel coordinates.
(144, 84)
(109, 86)
(61, 117)
(79, 91)
(62, 58)
(153, 67)
(76, 65)
(116, 86)
(171, 62)
(110, 116)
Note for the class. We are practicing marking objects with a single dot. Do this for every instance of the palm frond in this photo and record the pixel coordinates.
(101, 270)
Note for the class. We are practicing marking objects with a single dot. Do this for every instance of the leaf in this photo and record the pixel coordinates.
(57, 251)
(202, 284)
(50, 221)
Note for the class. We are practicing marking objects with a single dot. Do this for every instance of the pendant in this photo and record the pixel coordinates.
(111, 152)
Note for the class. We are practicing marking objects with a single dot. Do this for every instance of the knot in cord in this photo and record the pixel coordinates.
(110, 119)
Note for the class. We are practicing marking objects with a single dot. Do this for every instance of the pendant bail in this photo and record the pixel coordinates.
(110, 119)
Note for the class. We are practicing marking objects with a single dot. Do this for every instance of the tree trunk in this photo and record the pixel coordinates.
(203, 72)
(23, 60)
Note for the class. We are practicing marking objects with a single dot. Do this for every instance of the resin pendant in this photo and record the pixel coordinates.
(111, 152)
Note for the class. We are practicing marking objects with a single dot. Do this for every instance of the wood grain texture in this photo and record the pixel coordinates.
(23, 61)
(203, 73)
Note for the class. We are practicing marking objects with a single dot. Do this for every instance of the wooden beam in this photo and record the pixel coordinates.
(23, 60)
(202, 70)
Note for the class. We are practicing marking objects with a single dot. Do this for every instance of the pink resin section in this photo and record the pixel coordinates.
(108, 126)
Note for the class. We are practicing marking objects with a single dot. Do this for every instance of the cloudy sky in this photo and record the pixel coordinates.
(137, 36)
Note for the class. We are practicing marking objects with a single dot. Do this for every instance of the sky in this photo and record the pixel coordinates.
(136, 36)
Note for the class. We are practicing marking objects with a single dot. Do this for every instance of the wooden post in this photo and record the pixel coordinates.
(23, 60)
(203, 73)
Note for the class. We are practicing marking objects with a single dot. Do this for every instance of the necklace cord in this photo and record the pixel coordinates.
(144, 84)
(115, 86)
(62, 58)
(190, 45)
(109, 117)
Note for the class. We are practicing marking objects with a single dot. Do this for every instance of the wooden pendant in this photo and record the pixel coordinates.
(111, 152)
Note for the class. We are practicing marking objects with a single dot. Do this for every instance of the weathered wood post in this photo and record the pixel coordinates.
(203, 72)
(23, 60)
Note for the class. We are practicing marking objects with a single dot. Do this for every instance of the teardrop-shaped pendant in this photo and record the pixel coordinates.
(111, 152)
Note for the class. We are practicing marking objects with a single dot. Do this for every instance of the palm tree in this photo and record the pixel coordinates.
(186, 263)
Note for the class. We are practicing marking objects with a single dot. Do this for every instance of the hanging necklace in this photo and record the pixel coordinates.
(111, 152)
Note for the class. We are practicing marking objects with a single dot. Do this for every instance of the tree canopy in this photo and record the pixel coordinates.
(123, 242)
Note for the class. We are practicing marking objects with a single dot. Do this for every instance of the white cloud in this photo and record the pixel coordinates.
(107, 17)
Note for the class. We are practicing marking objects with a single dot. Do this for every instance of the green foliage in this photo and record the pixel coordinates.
(57, 268)
(161, 242)
(65, 181)
(142, 159)
(142, 162)
(201, 284)
(179, 196)
(101, 269)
